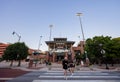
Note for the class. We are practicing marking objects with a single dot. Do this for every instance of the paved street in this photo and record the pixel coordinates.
(42, 74)
(57, 76)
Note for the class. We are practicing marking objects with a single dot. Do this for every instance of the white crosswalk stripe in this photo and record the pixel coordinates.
(76, 81)
(58, 76)
(79, 75)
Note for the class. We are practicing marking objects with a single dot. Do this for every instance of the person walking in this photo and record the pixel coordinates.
(65, 66)
(71, 67)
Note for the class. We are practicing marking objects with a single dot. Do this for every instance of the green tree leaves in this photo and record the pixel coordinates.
(95, 44)
(17, 51)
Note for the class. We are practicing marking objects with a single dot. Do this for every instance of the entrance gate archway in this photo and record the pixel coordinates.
(60, 56)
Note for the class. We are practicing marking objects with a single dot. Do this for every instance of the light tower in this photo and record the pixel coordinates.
(50, 31)
(79, 15)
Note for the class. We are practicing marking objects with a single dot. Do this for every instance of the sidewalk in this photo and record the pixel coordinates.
(55, 67)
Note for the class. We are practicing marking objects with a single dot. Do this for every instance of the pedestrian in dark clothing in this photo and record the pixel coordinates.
(71, 67)
(65, 66)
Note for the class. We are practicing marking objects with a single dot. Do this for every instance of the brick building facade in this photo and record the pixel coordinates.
(3, 47)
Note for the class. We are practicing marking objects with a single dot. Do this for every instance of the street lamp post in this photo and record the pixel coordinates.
(105, 58)
(79, 14)
(19, 37)
(102, 51)
(39, 43)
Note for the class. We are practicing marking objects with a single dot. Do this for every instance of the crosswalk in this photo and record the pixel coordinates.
(56, 76)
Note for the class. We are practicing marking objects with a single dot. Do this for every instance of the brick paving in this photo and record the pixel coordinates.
(11, 73)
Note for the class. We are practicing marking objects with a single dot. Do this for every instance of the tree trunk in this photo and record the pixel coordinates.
(19, 63)
(11, 64)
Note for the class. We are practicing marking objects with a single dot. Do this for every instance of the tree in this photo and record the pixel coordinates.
(90, 50)
(9, 54)
(17, 51)
(116, 49)
(113, 50)
(111, 46)
(94, 47)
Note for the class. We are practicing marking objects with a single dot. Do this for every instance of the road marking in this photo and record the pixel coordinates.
(46, 76)
(76, 73)
(76, 81)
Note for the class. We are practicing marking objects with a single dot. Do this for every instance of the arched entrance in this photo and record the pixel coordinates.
(60, 56)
